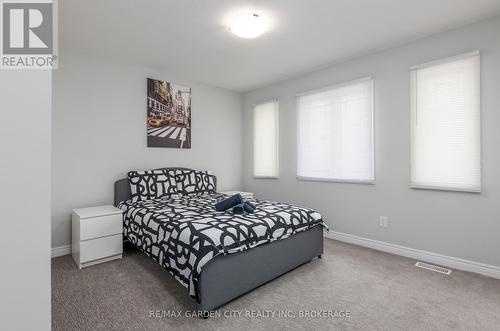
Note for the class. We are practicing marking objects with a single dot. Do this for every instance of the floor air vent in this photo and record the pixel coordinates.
(432, 267)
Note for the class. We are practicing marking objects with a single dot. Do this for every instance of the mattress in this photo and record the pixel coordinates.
(184, 233)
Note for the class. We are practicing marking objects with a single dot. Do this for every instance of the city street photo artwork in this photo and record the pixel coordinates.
(168, 114)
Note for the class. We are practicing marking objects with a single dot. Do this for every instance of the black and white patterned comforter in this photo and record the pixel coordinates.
(183, 234)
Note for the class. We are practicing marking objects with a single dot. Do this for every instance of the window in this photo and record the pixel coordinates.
(445, 124)
(335, 133)
(265, 140)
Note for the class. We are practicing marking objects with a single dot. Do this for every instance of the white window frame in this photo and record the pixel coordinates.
(275, 100)
(412, 105)
(331, 87)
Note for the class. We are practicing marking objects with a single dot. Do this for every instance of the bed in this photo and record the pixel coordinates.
(219, 256)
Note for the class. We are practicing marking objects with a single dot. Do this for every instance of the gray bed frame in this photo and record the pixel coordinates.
(227, 277)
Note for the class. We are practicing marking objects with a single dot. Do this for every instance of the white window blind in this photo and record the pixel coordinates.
(265, 140)
(335, 133)
(445, 124)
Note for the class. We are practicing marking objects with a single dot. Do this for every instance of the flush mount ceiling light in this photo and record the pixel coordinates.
(247, 24)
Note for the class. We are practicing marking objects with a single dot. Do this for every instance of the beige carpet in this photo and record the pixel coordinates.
(380, 292)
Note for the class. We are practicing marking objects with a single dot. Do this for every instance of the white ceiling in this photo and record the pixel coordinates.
(188, 37)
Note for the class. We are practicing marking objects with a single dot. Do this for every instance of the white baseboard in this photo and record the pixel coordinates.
(61, 250)
(442, 260)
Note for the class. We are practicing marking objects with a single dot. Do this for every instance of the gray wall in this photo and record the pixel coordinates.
(25, 199)
(463, 225)
(99, 133)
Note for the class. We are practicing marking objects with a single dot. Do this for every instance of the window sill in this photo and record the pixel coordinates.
(333, 180)
(265, 177)
(438, 188)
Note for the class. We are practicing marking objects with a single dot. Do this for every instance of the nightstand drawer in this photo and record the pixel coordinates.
(95, 249)
(101, 226)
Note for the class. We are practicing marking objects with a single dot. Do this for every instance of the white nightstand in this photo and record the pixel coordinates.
(96, 235)
(248, 195)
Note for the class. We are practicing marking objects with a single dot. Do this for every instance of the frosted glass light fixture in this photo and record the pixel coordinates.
(247, 24)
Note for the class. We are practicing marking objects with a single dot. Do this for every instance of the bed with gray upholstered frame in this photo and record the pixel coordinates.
(227, 277)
